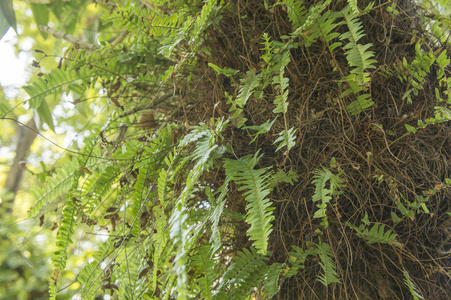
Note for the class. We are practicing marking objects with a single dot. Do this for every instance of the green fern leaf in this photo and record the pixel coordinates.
(255, 185)
(411, 285)
(52, 83)
(297, 259)
(203, 264)
(56, 186)
(247, 89)
(327, 264)
(363, 102)
(356, 54)
(323, 194)
(245, 263)
(286, 139)
(215, 216)
(376, 234)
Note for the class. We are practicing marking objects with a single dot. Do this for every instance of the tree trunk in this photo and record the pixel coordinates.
(25, 138)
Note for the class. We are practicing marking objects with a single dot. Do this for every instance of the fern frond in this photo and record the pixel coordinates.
(57, 185)
(314, 13)
(63, 241)
(88, 277)
(255, 184)
(52, 83)
(324, 27)
(161, 240)
(245, 263)
(297, 259)
(141, 194)
(323, 194)
(411, 285)
(249, 83)
(376, 234)
(296, 12)
(215, 216)
(363, 102)
(327, 264)
(272, 276)
(203, 264)
(353, 5)
(179, 222)
(286, 139)
(281, 83)
(356, 54)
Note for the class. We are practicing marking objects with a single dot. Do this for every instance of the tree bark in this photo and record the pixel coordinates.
(25, 138)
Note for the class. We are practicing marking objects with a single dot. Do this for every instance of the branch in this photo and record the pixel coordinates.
(70, 38)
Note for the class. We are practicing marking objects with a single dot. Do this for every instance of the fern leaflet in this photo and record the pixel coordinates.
(255, 184)
(327, 264)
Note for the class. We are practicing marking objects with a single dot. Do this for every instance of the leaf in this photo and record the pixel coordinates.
(411, 285)
(286, 139)
(8, 17)
(225, 71)
(255, 184)
(410, 128)
(327, 264)
(362, 103)
(262, 128)
(45, 114)
(247, 89)
(41, 16)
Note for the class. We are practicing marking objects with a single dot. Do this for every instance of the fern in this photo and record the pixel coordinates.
(180, 228)
(323, 194)
(206, 268)
(63, 241)
(141, 195)
(315, 12)
(56, 186)
(296, 12)
(286, 139)
(52, 83)
(376, 234)
(272, 277)
(325, 27)
(215, 216)
(281, 83)
(161, 240)
(363, 102)
(411, 285)
(245, 263)
(327, 264)
(88, 276)
(255, 184)
(296, 260)
(247, 89)
(356, 54)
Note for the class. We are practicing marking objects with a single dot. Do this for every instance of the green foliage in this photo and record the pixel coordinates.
(51, 84)
(324, 194)
(170, 228)
(255, 184)
(412, 287)
(327, 264)
(8, 18)
(57, 185)
(376, 234)
(286, 139)
(356, 54)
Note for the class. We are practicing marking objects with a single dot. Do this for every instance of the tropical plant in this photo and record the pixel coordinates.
(191, 102)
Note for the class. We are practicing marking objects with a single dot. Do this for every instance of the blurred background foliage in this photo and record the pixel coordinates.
(25, 264)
